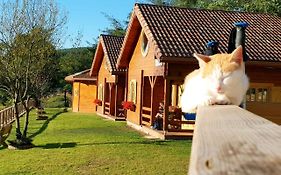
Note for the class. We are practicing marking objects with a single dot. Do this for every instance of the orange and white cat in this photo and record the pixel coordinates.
(221, 79)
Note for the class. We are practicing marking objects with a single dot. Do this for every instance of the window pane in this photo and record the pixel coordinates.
(264, 95)
(248, 95)
(253, 94)
(259, 95)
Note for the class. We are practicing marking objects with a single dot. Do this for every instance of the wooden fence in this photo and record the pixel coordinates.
(229, 140)
(7, 115)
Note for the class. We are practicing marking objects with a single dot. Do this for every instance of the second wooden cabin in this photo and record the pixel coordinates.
(110, 80)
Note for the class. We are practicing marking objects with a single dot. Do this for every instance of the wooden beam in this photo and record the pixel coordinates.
(230, 140)
(104, 95)
(141, 97)
(167, 102)
(115, 100)
(152, 80)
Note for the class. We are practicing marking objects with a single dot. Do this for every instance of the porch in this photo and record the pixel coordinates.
(160, 134)
(113, 95)
(154, 91)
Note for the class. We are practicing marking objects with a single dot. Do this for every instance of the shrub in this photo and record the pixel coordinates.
(56, 101)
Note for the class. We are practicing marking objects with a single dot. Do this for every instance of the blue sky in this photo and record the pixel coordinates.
(86, 16)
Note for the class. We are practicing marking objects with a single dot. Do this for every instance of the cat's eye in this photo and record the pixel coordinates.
(225, 75)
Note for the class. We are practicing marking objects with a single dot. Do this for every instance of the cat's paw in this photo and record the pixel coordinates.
(223, 101)
(208, 101)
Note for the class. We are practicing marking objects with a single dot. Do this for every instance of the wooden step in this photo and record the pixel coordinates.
(145, 123)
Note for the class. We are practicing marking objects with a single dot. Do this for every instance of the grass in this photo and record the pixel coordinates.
(71, 143)
(56, 101)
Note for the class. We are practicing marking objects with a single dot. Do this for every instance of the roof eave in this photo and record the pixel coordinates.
(264, 63)
(84, 79)
(177, 59)
(97, 59)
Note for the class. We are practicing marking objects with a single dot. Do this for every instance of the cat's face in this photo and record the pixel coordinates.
(221, 70)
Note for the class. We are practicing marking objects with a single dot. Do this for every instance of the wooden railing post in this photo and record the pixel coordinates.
(7, 114)
(230, 140)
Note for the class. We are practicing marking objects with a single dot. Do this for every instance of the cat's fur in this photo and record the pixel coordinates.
(221, 79)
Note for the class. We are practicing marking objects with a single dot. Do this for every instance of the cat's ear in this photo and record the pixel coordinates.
(237, 55)
(202, 59)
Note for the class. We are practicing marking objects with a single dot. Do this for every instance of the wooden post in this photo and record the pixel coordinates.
(116, 99)
(152, 80)
(167, 101)
(141, 96)
(110, 98)
(174, 95)
(104, 96)
(230, 140)
(78, 106)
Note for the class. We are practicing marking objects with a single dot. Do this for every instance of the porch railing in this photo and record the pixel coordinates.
(231, 140)
(106, 108)
(7, 115)
(146, 116)
(176, 122)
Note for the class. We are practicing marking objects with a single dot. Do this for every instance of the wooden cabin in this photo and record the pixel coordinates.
(83, 91)
(110, 80)
(157, 51)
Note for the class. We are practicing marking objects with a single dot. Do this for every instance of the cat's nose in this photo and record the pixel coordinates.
(219, 89)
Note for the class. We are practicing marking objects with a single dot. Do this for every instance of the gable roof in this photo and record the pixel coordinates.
(176, 33)
(83, 75)
(109, 46)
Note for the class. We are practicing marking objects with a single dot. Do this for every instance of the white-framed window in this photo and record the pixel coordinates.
(132, 95)
(144, 44)
(259, 92)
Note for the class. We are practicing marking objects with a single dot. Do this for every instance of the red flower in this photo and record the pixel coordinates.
(97, 102)
(128, 105)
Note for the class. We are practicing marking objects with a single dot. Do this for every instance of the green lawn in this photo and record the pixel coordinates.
(71, 143)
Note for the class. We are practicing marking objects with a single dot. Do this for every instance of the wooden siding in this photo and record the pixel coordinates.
(276, 95)
(104, 73)
(104, 76)
(258, 74)
(138, 63)
(270, 111)
(75, 96)
(178, 71)
(87, 97)
(84, 93)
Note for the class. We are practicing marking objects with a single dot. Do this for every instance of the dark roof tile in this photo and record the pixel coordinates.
(111, 47)
(179, 32)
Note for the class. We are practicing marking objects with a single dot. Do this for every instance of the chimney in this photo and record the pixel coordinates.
(212, 48)
(238, 37)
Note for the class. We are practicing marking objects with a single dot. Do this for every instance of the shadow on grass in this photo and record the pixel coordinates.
(45, 125)
(74, 144)
(144, 142)
(58, 145)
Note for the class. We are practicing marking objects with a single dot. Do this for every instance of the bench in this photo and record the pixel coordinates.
(4, 134)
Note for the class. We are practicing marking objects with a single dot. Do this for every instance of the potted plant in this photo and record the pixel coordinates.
(98, 102)
(128, 105)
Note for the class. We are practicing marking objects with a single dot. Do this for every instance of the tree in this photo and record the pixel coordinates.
(117, 27)
(29, 33)
(260, 6)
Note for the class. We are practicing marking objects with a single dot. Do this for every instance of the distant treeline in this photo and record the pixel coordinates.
(65, 62)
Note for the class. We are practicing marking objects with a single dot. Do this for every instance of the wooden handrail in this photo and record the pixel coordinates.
(7, 114)
(231, 140)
